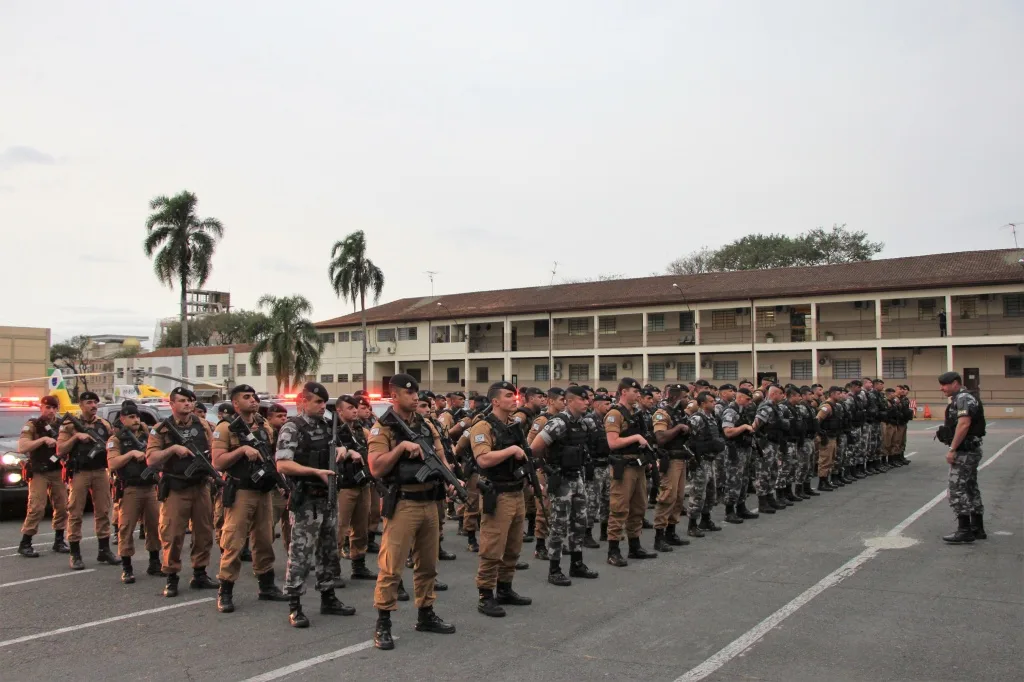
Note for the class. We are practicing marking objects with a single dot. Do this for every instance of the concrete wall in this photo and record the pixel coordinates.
(24, 353)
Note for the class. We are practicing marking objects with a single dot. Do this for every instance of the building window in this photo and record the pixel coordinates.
(1014, 366)
(448, 333)
(801, 370)
(357, 335)
(240, 370)
(343, 337)
(608, 371)
(606, 325)
(453, 375)
(656, 322)
(541, 373)
(256, 370)
(199, 371)
(415, 373)
(540, 329)
(577, 326)
(723, 319)
(385, 335)
(326, 378)
(225, 370)
(846, 369)
(120, 372)
(1013, 305)
(579, 372)
(212, 371)
(407, 333)
(894, 368)
(270, 369)
(884, 312)
(968, 308)
(657, 371)
(357, 378)
(327, 337)
(686, 371)
(726, 369)
(342, 378)
(926, 309)
(481, 375)
(686, 320)
(765, 318)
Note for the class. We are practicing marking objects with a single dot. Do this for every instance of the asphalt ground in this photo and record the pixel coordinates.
(853, 585)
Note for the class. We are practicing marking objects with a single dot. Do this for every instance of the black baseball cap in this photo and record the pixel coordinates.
(950, 377)
(242, 388)
(183, 392)
(316, 389)
(88, 395)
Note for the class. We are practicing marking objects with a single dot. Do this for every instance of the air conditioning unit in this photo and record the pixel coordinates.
(860, 304)
(670, 365)
(627, 365)
(824, 361)
(391, 350)
(373, 349)
(706, 364)
(898, 303)
(558, 367)
(558, 374)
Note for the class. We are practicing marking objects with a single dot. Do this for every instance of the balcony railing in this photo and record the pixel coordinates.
(531, 343)
(709, 336)
(486, 344)
(672, 337)
(625, 339)
(853, 330)
(567, 342)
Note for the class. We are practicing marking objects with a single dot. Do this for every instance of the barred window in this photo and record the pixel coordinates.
(256, 370)
(686, 371)
(577, 326)
(686, 320)
(968, 308)
(765, 318)
(726, 369)
(723, 319)
(225, 370)
(801, 370)
(606, 325)
(1013, 305)
(579, 372)
(926, 309)
(657, 371)
(1014, 366)
(452, 375)
(240, 370)
(327, 337)
(481, 375)
(608, 371)
(342, 337)
(541, 373)
(846, 369)
(357, 335)
(212, 371)
(884, 312)
(199, 371)
(120, 372)
(357, 378)
(326, 378)
(656, 322)
(270, 369)
(342, 378)
(385, 335)
(894, 368)
(407, 333)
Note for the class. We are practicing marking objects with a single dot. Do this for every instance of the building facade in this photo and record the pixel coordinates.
(100, 355)
(24, 353)
(214, 369)
(905, 319)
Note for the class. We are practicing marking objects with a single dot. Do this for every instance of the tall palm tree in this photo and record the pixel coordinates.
(287, 333)
(184, 245)
(353, 276)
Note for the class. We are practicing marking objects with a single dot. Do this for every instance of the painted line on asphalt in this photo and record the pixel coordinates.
(48, 577)
(104, 621)
(754, 634)
(4, 549)
(310, 662)
(910, 454)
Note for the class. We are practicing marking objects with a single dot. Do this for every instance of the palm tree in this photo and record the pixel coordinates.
(287, 333)
(353, 275)
(186, 244)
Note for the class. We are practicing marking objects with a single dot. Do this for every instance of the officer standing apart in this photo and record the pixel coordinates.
(185, 498)
(562, 444)
(670, 430)
(496, 443)
(410, 512)
(87, 465)
(38, 440)
(248, 500)
(306, 456)
(963, 431)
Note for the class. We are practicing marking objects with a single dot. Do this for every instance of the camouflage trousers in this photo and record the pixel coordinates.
(804, 452)
(875, 442)
(568, 516)
(863, 444)
(787, 459)
(766, 473)
(702, 487)
(597, 495)
(840, 462)
(736, 473)
(964, 494)
(720, 475)
(314, 542)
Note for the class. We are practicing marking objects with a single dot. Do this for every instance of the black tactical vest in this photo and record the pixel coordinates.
(599, 449)
(706, 440)
(405, 470)
(677, 446)
(313, 449)
(569, 452)
(44, 458)
(243, 470)
(194, 434)
(526, 419)
(352, 439)
(859, 412)
(504, 437)
(131, 473)
(978, 425)
(80, 452)
(833, 423)
(632, 425)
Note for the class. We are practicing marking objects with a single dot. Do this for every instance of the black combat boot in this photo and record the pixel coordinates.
(428, 621)
(382, 632)
(808, 490)
(330, 605)
(790, 496)
(59, 546)
(824, 485)
(798, 492)
(171, 588)
(542, 551)
(673, 539)
(578, 569)
(835, 480)
(201, 581)
(730, 514)
(488, 605)
(604, 532)
(776, 503)
(614, 555)
(296, 618)
(246, 554)
(268, 591)
(127, 574)
(707, 524)
(555, 575)
(588, 540)
(225, 597)
(471, 544)
(522, 566)
(978, 526)
(75, 559)
(743, 512)
(440, 586)
(693, 530)
(154, 564)
(851, 475)
(142, 531)
(660, 545)
(764, 505)
(904, 460)
(445, 555)
(883, 464)
(371, 544)
(531, 525)
(104, 555)
(647, 525)
(638, 552)
(781, 500)
(506, 595)
(963, 532)
(402, 594)
(360, 571)
(25, 548)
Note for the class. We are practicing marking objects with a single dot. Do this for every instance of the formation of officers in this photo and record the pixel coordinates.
(538, 466)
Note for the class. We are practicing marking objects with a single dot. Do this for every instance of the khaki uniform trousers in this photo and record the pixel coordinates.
(413, 525)
(627, 504)
(193, 504)
(84, 483)
(354, 516)
(669, 508)
(471, 510)
(252, 515)
(892, 439)
(541, 526)
(501, 540)
(50, 483)
(373, 524)
(138, 503)
(826, 456)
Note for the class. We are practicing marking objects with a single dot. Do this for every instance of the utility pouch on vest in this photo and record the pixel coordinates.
(944, 434)
(163, 489)
(389, 502)
(554, 483)
(230, 492)
(824, 438)
(588, 470)
(118, 489)
(618, 467)
(489, 500)
(663, 461)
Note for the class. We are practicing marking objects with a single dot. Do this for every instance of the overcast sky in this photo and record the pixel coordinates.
(486, 140)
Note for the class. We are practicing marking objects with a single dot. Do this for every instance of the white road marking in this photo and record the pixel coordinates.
(104, 621)
(911, 454)
(47, 577)
(310, 662)
(754, 634)
(4, 549)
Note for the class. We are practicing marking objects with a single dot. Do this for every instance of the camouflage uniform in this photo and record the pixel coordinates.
(787, 449)
(597, 488)
(767, 464)
(737, 453)
(720, 476)
(702, 472)
(804, 447)
(568, 514)
(854, 439)
(964, 494)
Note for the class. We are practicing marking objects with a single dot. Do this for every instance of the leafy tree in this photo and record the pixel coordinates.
(287, 333)
(353, 276)
(695, 263)
(184, 246)
(71, 355)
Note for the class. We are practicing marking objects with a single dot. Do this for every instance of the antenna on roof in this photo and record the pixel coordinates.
(430, 274)
(1013, 229)
(553, 270)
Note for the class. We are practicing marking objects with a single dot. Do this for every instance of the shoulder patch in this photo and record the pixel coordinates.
(658, 416)
(152, 431)
(535, 427)
(374, 431)
(110, 445)
(610, 419)
(479, 438)
(26, 428)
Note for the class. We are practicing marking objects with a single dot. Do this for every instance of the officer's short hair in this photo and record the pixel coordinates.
(703, 396)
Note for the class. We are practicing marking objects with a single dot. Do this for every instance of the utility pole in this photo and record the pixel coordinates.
(430, 274)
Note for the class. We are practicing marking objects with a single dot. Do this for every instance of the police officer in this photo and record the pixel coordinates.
(555, 404)
(788, 460)
(963, 431)
(706, 442)
(524, 415)
(354, 486)
(305, 454)
(277, 415)
(770, 435)
(86, 464)
(367, 419)
(410, 510)
(598, 476)
(671, 428)
(623, 427)
(738, 429)
(456, 421)
(562, 444)
(38, 440)
(907, 413)
(830, 425)
(126, 457)
(647, 408)
(497, 447)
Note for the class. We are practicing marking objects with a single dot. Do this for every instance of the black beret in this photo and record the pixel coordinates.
(424, 396)
(578, 391)
(352, 400)
(745, 391)
(556, 391)
(404, 381)
(629, 382)
(602, 398)
(457, 394)
(726, 387)
(360, 392)
(890, 390)
(49, 401)
(242, 388)
(88, 395)
(647, 392)
(587, 388)
(277, 408)
(950, 377)
(316, 389)
(183, 392)
(226, 407)
(676, 388)
(531, 391)
(601, 389)
(502, 386)
(199, 407)
(129, 407)
(701, 382)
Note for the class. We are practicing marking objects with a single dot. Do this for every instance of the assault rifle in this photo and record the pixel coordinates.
(432, 463)
(200, 462)
(99, 444)
(449, 452)
(269, 468)
(135, 444)
(527, 469)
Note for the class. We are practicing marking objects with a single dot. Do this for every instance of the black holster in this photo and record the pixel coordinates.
(588, 470)
(26, 470)
(389, 502)
(663, 462)
(618, 465)
(230, 493)
(554, 482)
(489, 500)
(163, 489)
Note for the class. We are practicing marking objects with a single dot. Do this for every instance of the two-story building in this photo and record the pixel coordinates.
(215, 369)
(905, 319)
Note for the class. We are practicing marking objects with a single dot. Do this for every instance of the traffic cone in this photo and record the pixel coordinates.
(927, 412)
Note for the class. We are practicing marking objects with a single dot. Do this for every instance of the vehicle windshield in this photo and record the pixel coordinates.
(11, 422)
